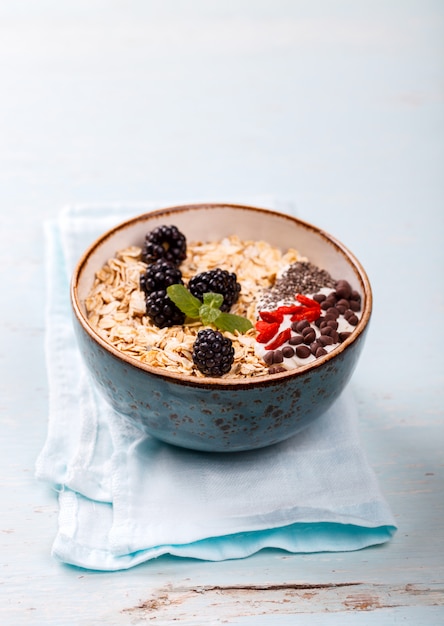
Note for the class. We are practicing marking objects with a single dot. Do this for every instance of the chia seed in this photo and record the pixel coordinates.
(301, 277)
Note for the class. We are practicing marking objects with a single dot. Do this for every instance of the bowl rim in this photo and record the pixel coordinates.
(215, 383)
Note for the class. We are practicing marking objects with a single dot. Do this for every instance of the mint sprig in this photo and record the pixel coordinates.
(231, 322)
(184, 300)
(207, 311)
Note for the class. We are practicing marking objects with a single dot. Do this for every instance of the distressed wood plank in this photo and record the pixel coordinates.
(186, 605)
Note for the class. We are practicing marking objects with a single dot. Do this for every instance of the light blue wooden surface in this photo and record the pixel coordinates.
(337, 106)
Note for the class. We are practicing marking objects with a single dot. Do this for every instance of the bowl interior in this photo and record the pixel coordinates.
(213, 222)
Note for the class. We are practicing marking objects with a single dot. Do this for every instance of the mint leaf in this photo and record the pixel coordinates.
(213, 299)
(209, 314)
(184, 300)
(230, 323)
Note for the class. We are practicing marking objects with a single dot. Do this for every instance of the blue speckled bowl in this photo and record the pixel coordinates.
(213, 414)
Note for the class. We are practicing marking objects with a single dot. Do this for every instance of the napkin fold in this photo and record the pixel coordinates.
(125, 497)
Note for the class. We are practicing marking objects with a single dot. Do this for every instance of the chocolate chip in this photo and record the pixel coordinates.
(268, 357)
(328, 303)
(330, 318)
(332, 312)
(343, 336)
(303, 352)
(319, 297)
(335, 336)
(343, 302)
(273, 356)
(325, 340)
(309, 335)
(355, 296)
(299, 326)
(320, 352)
(278, 357)
(314, 346)
(295, 340)
(326, 329)
(343, 289)
(355, 305)
(306, 330)
(351, 317)
(353, 320)
(288, 352)
(276, 369)
(332, 323)
(342, 305)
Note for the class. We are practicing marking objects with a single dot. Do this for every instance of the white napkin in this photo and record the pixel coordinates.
(125, 498)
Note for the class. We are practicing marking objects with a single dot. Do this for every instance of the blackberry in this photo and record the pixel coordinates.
(217, 281)
(160, 275)
(213, 354)
(165, 242)
(162, 311)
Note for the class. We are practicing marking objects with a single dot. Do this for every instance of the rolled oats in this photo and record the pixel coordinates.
(115, 305)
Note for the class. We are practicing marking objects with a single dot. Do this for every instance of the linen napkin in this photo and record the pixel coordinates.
(125, 497)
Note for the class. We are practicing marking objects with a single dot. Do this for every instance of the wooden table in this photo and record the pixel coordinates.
(335, 106)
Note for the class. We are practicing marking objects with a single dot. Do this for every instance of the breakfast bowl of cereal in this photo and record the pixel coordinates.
(220, 327)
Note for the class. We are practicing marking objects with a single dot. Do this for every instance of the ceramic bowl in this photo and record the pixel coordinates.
(213, 414)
